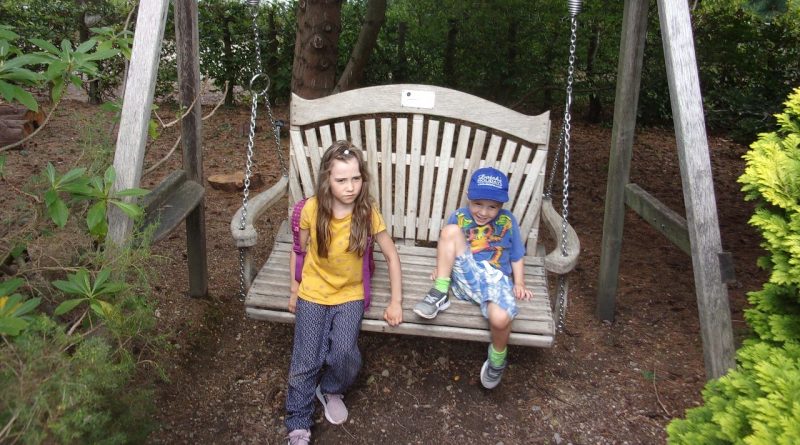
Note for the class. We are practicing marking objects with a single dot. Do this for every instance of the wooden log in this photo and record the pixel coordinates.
(13, 129)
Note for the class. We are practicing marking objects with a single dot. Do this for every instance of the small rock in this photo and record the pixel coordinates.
(385, 373)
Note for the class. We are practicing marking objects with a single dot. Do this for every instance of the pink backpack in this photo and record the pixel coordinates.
(368, 267)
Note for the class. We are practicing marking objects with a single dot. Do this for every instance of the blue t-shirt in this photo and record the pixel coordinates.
(499, 242)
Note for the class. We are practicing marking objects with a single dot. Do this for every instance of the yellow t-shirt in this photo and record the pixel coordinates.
(338, 278)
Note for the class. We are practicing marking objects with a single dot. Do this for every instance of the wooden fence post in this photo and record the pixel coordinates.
(187, 41)
(698, 187)
(136, 105)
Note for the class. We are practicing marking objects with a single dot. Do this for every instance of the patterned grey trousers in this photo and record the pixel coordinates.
(323, 336)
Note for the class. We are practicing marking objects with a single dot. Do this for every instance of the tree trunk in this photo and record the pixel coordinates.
(227, 57)
(400, 73)
(272, 45)
(367, 39)
(595, 106)
(316, 48)
(450, 54)
(92, 86)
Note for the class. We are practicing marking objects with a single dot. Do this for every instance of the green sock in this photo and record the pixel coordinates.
(442, 284)
(497, 358)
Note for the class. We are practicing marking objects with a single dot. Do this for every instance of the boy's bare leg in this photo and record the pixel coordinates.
(451, 244)
(499, 326)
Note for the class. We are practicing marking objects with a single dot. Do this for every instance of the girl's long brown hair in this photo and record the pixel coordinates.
(361, 221)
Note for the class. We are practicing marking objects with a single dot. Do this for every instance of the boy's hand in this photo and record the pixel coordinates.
(433, 274)
(393, 314)
(522, 293)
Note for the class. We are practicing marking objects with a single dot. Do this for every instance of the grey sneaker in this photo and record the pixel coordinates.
(491, 375)
(299, 437)
(335, 410)
(432, 304)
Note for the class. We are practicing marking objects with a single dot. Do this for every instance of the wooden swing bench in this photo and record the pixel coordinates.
(421, 145)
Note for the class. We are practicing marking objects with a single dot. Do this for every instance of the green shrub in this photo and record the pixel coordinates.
(759, 401)
(70, 389)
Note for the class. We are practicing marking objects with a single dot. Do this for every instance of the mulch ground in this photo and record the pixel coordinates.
(602, 383)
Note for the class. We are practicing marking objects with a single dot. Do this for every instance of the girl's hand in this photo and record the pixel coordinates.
(293, 298)
(522, 293)
(393, 314)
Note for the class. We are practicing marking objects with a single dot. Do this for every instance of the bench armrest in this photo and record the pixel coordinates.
(247, 237)
(554, 261)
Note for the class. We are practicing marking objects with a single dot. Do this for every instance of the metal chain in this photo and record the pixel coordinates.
(565, 138)
(248, 172)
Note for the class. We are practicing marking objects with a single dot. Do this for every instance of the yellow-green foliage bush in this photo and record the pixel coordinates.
(759, 401)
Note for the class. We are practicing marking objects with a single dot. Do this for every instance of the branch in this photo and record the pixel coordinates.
(175, 146)
(164, 159)
(21, 141)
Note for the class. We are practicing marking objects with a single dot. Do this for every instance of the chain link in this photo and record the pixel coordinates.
(564, 143)
(248, 171)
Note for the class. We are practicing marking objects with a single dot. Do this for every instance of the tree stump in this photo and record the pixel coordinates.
(233, 182)
(17, 122)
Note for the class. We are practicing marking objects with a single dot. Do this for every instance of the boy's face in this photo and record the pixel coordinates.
(484, 210)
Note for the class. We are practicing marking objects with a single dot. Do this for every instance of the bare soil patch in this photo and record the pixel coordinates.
(603, 383)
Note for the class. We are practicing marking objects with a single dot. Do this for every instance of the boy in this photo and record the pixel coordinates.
(480, 250)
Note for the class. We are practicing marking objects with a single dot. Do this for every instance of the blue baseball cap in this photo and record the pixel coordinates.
(488, 183)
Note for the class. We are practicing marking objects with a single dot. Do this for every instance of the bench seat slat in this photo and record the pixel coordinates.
(268, 298)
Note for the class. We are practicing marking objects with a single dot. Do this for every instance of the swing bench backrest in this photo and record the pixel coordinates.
(421, 144)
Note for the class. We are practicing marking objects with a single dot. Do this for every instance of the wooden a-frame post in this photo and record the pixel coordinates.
(184, 188)
(697, 234)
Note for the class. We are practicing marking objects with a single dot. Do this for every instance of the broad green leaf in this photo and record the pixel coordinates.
(71, 175)
(25, 59)
(8, 304)
(101, 278)
(68, 287)
(86, 46)
(50, 171)
(96, 215)
(55, 70)
(66, 47)
(27, 306)
(12, 326)
(58, 212)
(23, 75)
(25, 98)
(109, 176)
(103, 308)
(132, 210)
(58, 90)
(45, 45)
(7, 90)
(6, 287)
(68, 305)
(50, 197)
(112, 288)
(102, 54)
(132, 192)
(8, 34)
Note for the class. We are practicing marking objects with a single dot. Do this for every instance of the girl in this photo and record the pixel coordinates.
(335, 225)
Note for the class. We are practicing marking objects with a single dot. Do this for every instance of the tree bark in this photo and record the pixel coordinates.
(367, 39)
(595, 106)
(400, 72)
(450, 54)
(316, 49)
(227, 57)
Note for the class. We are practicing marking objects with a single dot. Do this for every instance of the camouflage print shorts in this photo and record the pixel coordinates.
(481, 283)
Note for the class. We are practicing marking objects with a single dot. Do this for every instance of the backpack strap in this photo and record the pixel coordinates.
(299, 254)
(367, 269)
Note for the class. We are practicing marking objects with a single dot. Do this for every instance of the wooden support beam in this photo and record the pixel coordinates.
(629, 75)
(698, 188)
(136, 105)
(662, 218)
(187, 41)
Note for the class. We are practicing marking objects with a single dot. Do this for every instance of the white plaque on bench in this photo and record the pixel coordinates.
(418, 99)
